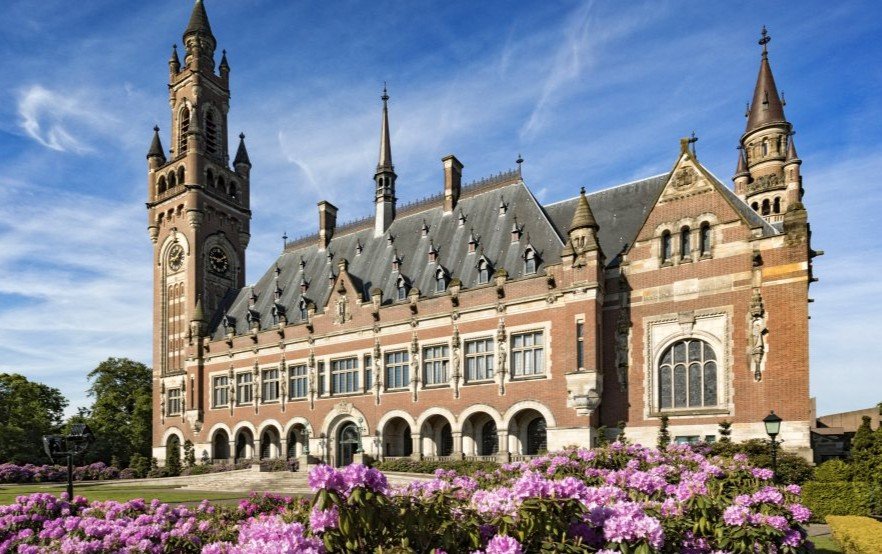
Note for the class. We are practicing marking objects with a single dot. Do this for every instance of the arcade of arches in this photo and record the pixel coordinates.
(476, 435)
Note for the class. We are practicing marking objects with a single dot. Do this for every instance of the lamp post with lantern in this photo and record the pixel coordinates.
(773, 429)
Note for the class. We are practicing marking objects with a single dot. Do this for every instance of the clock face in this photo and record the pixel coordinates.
(176, 257)
(218, 261)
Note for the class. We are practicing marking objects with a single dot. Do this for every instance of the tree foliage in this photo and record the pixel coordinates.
(664, 435)
(28, 410)
(121, 415)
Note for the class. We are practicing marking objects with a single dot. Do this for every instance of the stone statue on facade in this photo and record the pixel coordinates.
(757, 332)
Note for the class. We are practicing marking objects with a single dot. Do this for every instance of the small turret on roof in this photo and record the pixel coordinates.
(766, 106)
(242, 153)
(583, 217)
(198, 24)
(155, 150)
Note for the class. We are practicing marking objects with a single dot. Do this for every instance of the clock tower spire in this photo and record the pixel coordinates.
(198, 210)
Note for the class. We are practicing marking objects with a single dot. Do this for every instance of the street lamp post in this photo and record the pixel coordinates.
(773, 428)
(70, 445)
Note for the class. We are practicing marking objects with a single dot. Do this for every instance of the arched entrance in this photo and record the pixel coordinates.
(296, 440)
(527, 433)
(397, 441)
(173, 449)
(480, 436)
(489, 439)
(270, 444)
(220, 446)
(347, 443)
(244, 444)
(436, 436)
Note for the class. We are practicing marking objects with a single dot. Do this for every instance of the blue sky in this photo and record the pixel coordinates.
(591, 93)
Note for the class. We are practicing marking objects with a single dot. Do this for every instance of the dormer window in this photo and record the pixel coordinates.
(530, 261)
(440, 281)
(483, 272)
(666, 247)
(401, 289)
(304, 312)
(473, 241)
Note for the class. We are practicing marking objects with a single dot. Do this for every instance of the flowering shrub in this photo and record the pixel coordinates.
(29, 473)
(619, 499)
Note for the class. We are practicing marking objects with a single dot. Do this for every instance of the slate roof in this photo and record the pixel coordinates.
(620, 212)
(373, 266)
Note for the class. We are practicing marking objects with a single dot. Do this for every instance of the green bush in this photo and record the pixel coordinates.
(792, 468)
(857, 535)
(833, 470)
(140, 465)
(845, 498)
(463, 467)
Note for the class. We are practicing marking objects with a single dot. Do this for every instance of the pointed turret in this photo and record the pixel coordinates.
(385, 175)
(792, 157)
(583, 217)
(582, 233)
(198, 40)
(766, 107)
(174, 62)
(242, 153)
(198, 24)
(224, 66)
(155, 155)
(760, 178)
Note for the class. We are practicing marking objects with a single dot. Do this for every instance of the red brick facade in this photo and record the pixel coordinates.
(571, 337)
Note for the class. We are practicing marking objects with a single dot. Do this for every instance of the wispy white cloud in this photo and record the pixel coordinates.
(59, 120)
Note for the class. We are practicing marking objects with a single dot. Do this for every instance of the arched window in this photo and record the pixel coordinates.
(401, 289)
(687, 375)
(209, 178)
(172, 180)
(440, 281)
(183, 130)
(446, 446)
(483, 272)
(233, 191)
(489, 439)
(181, 175)
(776, 206)
(211, 140)
(755, 207)
(765, 147)
(704, 241)
(685, 243)
(766, 208)
(666, 246)
(529, 261)
(161, 186)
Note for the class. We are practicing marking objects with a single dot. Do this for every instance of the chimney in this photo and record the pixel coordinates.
(452, 181)
(327, 223)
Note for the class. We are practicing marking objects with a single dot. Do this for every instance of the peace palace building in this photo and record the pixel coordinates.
(478, 323)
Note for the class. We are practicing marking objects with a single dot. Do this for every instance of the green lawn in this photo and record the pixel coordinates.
(101, 491)
(826, 545)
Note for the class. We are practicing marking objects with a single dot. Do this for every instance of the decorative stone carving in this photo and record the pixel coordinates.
(757, 334)
(378, 369)
(414, 365)
(344, 407)
(455, 361)
(684, 178)
(501, 355)
(766, 182)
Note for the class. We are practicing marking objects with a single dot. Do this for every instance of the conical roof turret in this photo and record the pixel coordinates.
(155, 150)
(741, 168)
(198, 24)
(791, 151)
(766, 107)
(242, 153)
(583, 217)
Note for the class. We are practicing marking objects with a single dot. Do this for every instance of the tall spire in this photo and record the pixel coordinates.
(766, 106)
(583, 216)
(385, 160)
(198, 23)
(241, 153)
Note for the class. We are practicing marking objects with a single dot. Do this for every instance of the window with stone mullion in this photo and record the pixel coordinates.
(299, 382)
(344, 376)
(221, 392)
(435, 365)
(243, 388)
(397, 369)
(479, 360)
(174, 401)
(270, 385)
(687, 376)
(527, 354)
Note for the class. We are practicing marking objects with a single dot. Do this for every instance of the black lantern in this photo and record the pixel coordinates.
(70, 445)
(773, 429)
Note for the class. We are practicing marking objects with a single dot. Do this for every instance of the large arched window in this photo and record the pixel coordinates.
(687, 375)
(489, 439)
(183, 130)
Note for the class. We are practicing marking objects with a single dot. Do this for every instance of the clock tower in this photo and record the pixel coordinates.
(198, 217)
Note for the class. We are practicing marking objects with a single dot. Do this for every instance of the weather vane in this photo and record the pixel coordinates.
(692, 140)
(765, 39)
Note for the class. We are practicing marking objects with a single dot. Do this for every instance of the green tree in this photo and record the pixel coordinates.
(621, 436)
(664, 436)
(28, 410)
(189, 454)
(725, 431)
(121, 415)
(173, 458)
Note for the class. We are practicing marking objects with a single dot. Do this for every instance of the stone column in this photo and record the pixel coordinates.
(255, 455)
(503, 456)
(416, 453)
(457, 445)
(283, 446)
(232, 458)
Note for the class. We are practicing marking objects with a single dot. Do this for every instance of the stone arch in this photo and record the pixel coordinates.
(436, 433)
(396, 413)
(244, 441)
(295, 434)
(172, 238)
(525, 404)
(474, 408)
(337, 414)
(219, 438)
(172, 431)
(396, 435)
(520, 426)
(443, 412)
(270, 438)
(297, 420)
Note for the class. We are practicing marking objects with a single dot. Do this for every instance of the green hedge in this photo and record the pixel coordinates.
(846, 498)
(857, 535)
(463, 467)
(792, 468)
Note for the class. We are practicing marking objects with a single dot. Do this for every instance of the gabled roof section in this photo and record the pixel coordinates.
(619, 212)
